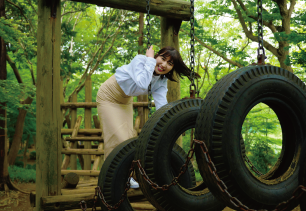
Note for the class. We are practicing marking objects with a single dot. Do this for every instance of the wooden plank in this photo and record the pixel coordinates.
(73, 145)
(177, 9)
(99, 160)
(83, 151)
(91, 189)
(48, 115)
(82, 131)
(87, 123)
(84, 139)
(68, 157)
(74, 105)
(82, 172)
(73, 196)
(66, 202)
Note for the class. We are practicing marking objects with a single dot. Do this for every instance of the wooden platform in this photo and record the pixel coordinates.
(85, 190)
(136, 197)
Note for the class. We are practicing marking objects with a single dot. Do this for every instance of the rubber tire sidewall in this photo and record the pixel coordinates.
(114, 172)
(155, 142)
(253, 84)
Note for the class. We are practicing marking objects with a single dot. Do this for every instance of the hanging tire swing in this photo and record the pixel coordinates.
(156, 141)
(219, 124)
(115, 172)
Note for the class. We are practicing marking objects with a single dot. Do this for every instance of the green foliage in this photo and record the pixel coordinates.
(9, 31)
(22, 174)
(33, 155)
(262, 137)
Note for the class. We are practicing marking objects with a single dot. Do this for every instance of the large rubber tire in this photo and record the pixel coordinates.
(114, 172)
(219, 124)
(302, 178)
(156, 141)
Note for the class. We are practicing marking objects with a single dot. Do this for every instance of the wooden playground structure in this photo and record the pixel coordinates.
(49, 146)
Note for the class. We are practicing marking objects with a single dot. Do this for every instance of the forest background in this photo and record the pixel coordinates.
(96, 41)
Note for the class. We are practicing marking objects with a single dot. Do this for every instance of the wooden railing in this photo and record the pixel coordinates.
(80, 142)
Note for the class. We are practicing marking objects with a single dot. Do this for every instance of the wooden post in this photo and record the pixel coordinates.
(169, 37)
(99, 160)
(73, 158)
(48, 118)
(87, 122)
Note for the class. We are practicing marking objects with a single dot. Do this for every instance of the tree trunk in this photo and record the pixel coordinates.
(18, 133)
(4, 176)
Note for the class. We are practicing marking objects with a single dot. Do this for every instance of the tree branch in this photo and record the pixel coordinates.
(214, 51)
(13, 66)
(31, 26)
(80, 10)
(248, 34)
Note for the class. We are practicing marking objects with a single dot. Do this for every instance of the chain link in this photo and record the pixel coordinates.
(192, 54)
(233, 200)
(223, 188)
(148, 46)
(250, 164)
(260, 51)
(247, 160)
(149, 101)
(148, 24)
(81, 205)
(98, 193)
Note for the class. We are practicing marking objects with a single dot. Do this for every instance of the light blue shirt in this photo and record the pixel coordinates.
(135, 77)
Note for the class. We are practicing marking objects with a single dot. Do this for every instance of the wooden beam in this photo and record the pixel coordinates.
(82, 131)
(82, 172)
(48, 115)
(177, 9)
(87, 123)
(83, 152)
(74, 105)
(85, 139)
(56, 202)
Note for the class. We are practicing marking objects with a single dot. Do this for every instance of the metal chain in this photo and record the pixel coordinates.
(98, 193)
(260, 51)
(148, 26)
(233, 200)
(250, 164)
(175, 180)
(81, 205)
(192, 54)
(247, 160)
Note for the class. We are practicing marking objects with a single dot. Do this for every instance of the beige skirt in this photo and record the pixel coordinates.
(115, 110)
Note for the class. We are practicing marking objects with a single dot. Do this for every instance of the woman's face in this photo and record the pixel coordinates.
(163, 65)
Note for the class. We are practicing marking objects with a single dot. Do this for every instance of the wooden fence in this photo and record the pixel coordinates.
(87, 144)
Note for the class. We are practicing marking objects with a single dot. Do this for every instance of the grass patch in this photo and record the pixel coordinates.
(22, 174)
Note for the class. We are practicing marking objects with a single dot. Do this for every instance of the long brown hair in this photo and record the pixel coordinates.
(178, 65)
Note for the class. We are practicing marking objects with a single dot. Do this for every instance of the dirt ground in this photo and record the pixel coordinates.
(17, 201)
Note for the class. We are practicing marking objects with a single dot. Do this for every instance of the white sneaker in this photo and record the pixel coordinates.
(133, 183)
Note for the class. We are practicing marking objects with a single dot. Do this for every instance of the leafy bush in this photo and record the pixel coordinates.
(22, 174)
(33, 155)
(31, 167)
(19, 164)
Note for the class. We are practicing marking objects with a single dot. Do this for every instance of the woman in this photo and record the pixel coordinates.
(115, 96)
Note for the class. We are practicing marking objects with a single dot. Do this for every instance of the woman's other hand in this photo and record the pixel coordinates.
(150, 52)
